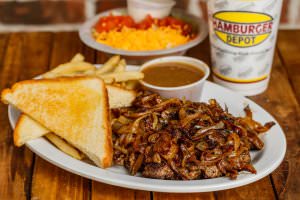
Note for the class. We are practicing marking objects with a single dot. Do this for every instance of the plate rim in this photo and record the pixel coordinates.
(86, 170)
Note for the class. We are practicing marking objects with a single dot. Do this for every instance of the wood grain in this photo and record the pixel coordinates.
(49, 181)
(185, 196)
(293, 71)
(24, 57)
(261, 189)
(281, 102)
(3, 45)
(66, 45)
(108, 192)
(201, 51)
(288, 44)
(289, 48)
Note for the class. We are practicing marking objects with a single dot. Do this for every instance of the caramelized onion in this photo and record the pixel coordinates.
(175, 139)
(137, 164)
(136, 123)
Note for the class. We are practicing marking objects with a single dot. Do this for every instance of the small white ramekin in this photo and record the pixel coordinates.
(139, 9)
(191, 91)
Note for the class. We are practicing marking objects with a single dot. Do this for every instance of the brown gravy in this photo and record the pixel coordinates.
(172, 74)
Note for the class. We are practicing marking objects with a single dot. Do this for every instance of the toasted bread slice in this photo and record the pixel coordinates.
(28, 129)
(75, 109)
(119, 97)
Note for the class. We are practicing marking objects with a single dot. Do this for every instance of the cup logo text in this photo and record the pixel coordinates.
(242, 29)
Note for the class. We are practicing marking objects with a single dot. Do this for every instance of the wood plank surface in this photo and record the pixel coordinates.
(289, 49)
(3, 45)
(201, 51)
(288, 44)
(24, 58)
(293, 71)
(25, 55)
(49, 181)
(108, 192)
(261, 189)
(281, 102)
(185, 196)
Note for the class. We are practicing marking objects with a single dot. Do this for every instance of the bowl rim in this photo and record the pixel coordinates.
(85, 34)
(181, 59)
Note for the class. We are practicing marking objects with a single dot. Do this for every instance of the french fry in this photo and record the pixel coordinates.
(78, 73)
(108, 80)
(109, 65)
(88, 72)
(78, 58)
(131, 85)
(121, 67)
(123, 76)
(64, 146)
(69, 68)
(123, 84)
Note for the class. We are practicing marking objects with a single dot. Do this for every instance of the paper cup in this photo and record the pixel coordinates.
(243, 36)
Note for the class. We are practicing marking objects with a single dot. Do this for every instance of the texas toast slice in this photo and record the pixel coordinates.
(75, 109)
(28, 129)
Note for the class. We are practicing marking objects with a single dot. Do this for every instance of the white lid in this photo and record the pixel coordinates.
(156, 2)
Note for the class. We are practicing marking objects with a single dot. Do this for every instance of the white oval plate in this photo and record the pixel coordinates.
(85, 34)
(264, 161)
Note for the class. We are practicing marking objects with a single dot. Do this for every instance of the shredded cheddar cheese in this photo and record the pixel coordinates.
(154, 38)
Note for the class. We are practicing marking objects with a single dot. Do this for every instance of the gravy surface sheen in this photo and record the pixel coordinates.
(172, 74)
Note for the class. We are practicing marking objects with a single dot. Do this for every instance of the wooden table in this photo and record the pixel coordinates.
(25, 175)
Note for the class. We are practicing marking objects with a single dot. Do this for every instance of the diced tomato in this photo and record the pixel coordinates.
(146, 23)
(128, 21)
(112, 22)
(162, 22)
